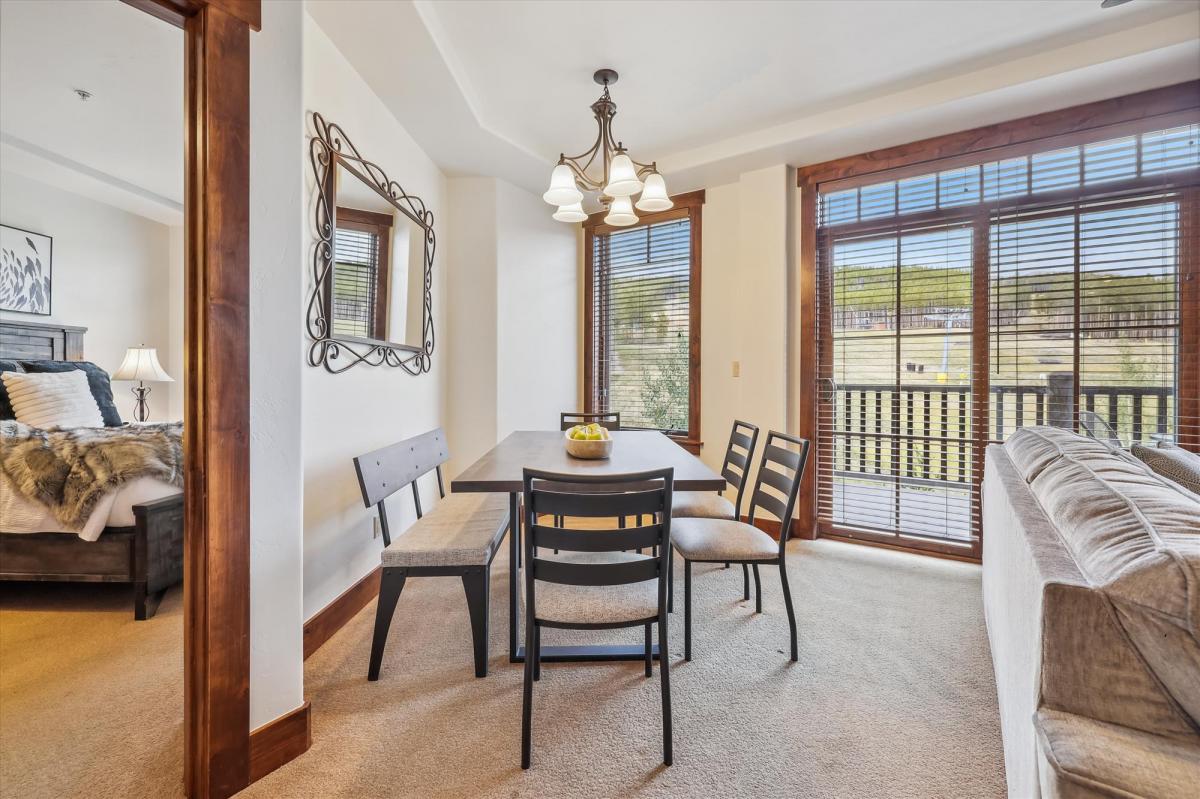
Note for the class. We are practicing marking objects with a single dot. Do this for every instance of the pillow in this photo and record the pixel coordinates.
(57, 399)
(98, 381)
(6, 411)
(1172, 462)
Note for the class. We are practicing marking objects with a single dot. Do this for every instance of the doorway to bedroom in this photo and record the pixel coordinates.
(92, 383)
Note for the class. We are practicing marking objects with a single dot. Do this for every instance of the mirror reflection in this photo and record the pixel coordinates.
(378, 271)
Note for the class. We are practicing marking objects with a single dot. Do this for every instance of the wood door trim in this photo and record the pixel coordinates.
(331, 618)
(280, 741)
(217, 741)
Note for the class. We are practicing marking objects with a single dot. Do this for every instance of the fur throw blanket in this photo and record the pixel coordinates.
(68, 470)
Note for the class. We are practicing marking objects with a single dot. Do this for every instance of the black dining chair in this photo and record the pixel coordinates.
(708, 505)
(723, 541)
(594, 584)
(610, 420)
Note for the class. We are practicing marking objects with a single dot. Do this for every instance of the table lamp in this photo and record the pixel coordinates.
(141, 364)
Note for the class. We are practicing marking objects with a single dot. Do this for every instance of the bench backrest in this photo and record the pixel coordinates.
(385, 471)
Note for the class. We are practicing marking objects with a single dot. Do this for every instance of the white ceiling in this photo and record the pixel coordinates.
(711, 88)
(124, 146)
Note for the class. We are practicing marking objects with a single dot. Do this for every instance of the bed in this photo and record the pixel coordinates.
(134, 536)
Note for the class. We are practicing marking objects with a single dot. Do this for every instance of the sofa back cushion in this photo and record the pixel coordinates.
(1032, 449)
(1136, 538)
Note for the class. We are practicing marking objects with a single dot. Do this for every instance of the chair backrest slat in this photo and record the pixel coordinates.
(385, 471)
(782, 470)
(634, 571)
(606, 504)
(736, 467)
(610, 420)
(569, 540)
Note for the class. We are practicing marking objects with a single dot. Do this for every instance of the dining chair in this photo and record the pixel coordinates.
(594, 584)
(730, 541)
(708, 505)
(608, 419)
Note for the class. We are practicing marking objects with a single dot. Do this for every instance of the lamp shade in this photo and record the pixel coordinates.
(141, 363)
(621, 214)
(654, 194)
(571, 213)
(563, 190)
(622, 178)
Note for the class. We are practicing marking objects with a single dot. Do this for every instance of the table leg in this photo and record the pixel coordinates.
(514, 546)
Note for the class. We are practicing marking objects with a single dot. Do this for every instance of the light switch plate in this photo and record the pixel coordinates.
(375, 527)
(737, 368)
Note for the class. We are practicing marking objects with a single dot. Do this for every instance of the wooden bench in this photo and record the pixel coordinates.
(457, 538)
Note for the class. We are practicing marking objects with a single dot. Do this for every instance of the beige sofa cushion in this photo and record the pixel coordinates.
(1136, 538)
(1174, 463)
(1081, 758)
(1032, 449)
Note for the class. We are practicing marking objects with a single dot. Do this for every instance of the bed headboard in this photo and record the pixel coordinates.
(40, 341)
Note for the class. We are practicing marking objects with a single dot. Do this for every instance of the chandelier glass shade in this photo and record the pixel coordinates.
(618, 177)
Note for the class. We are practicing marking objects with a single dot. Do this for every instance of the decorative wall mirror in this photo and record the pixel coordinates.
(372, 263)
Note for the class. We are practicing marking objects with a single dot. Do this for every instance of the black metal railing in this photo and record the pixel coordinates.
(922, 433)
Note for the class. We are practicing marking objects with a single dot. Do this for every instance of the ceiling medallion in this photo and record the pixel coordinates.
(620, 177)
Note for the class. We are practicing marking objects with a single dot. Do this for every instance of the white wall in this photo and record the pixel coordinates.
(276, 308)
(513, 280)
(536, 313)
(111, 272)
(347, 414)
(746, 262)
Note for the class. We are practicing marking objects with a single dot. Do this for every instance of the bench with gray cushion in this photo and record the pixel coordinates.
(458, 538)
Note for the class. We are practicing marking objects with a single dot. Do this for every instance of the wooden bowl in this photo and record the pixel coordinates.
(588, 450)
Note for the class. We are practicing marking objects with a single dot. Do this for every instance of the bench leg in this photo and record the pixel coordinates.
(475, 584)
(390, 586)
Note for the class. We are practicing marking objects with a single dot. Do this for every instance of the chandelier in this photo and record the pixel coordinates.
(620, 176)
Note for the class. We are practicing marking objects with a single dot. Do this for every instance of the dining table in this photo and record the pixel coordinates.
(501, 470)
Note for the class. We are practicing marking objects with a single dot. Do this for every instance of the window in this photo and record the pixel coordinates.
(360, 274)
(957, 304)
(643, 315)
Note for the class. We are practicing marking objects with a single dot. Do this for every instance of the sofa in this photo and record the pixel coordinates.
(1091, 583)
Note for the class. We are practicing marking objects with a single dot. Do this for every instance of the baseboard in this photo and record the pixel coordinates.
(279, 741)
(331, 618)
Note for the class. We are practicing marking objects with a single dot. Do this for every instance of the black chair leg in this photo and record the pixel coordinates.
(390, 586)
(527, 695)
(757, 591)
(475, 584)
(745, 582)
(687, 609)
(664, 668)
(649, 654)
(787, 601)
(537, 652)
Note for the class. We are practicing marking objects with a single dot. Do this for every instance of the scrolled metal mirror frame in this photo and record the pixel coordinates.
(329, 145)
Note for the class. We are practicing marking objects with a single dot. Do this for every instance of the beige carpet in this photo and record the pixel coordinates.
(91, 702)
(893, 697)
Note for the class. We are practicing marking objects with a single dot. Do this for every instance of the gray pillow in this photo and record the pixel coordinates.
(1172, 462)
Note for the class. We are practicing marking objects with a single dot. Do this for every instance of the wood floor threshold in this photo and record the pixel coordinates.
(280, 741)
(331, 618)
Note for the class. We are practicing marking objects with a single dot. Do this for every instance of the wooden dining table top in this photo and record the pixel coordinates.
(500, 469)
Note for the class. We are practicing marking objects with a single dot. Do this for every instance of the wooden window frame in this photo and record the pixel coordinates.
(687, 206)
(1165, 107)
(380, 225)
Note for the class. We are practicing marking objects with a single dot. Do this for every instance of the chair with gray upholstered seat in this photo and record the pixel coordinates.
(595, 583)
(735, 469)
(729, 541)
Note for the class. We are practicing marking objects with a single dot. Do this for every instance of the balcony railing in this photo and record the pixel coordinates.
(921, 433)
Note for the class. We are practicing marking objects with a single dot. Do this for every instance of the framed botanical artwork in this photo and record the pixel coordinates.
(25, 271)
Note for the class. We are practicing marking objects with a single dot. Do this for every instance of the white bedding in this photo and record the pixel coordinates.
(19, 515)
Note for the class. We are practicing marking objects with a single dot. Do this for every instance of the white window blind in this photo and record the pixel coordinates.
(641, 324)
(355, 282)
